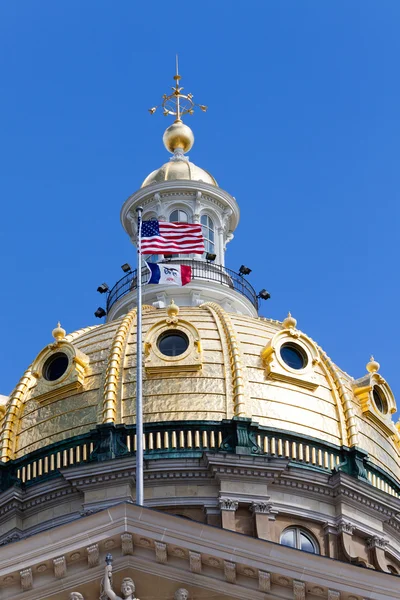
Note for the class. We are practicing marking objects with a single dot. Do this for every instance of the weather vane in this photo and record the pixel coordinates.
(177, 104)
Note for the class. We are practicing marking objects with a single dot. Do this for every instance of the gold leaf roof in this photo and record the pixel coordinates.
(233, 380)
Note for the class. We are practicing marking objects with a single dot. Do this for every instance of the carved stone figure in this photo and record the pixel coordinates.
(127, 587)
(76, 596)
(181, 594)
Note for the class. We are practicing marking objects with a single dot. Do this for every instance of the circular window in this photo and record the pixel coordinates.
(294, 356)
(55, 366)
(380, 401)
(173, 343)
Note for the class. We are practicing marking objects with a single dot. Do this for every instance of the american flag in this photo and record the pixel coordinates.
(159, 237)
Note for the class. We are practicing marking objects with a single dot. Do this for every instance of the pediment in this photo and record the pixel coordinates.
(163, 553)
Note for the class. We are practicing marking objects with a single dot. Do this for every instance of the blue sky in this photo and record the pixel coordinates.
(303, 128)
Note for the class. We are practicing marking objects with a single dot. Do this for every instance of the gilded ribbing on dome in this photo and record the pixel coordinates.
(113, 368)
(344, 434)
(11, 419)
(345, 398)
(79, 332)
(239, 407)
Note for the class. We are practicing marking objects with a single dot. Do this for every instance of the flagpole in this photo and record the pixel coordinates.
(139, 397)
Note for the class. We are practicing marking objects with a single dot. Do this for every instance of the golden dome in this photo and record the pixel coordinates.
(232, 367)
(179, 170)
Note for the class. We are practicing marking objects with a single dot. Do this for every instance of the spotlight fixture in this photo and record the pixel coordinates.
(264, 295)
(210, 257)
(126, 268)
(100, 312)
(244, 270)
(103, 288)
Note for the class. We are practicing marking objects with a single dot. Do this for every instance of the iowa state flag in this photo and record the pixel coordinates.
(168, 274)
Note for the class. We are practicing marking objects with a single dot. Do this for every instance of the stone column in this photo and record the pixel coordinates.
(219, 243)
(331, 540)
(228, 509)
(213, 516)
(262, 512)
(377, 547)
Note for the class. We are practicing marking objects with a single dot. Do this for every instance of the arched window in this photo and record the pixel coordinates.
(178, 216)
(208, 233)
(295, 537)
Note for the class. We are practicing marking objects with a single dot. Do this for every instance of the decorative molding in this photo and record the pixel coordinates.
(93, 555)
(161, 552)
(377, 542)
(195, 562)
(60, 567)
(333, 595)
(238, 377)
(228, 504)
(230, 571)
(111, 380)
(346, 399)
(345, 527)
(127, 543)
(299, 590)
(264, 508)
(26, 579)
(10, 422)
(264, 581)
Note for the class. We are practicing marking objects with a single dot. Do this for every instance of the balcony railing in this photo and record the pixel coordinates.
(190, 439)
(200, 270)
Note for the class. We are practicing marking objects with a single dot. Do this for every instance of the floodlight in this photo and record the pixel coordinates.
(100, 312)
(103, 288)
(126, 267)
(244, 270)
(210, 257)
(264, 295)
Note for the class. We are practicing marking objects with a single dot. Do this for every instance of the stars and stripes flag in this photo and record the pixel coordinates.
(159, 237)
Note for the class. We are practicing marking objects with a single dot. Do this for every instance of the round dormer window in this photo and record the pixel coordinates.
(380, 400)
(173, 343)
(294, 356)
(55, 366)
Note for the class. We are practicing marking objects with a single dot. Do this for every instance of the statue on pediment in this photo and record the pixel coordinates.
(181, 594)
(127, 585)
(76, 596)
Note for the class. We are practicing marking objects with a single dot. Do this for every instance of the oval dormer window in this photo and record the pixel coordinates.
(55, 366)
(294, 356)
(173, 343)
(380, 400)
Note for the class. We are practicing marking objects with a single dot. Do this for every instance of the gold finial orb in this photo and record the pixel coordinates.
(178, 136)
(373, 366)
(290, 322)
(58, 333)
(172, 310)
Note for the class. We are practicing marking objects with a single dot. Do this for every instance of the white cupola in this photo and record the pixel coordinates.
(180, 191)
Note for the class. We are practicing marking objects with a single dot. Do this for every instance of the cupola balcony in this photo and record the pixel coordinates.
(207, 278)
